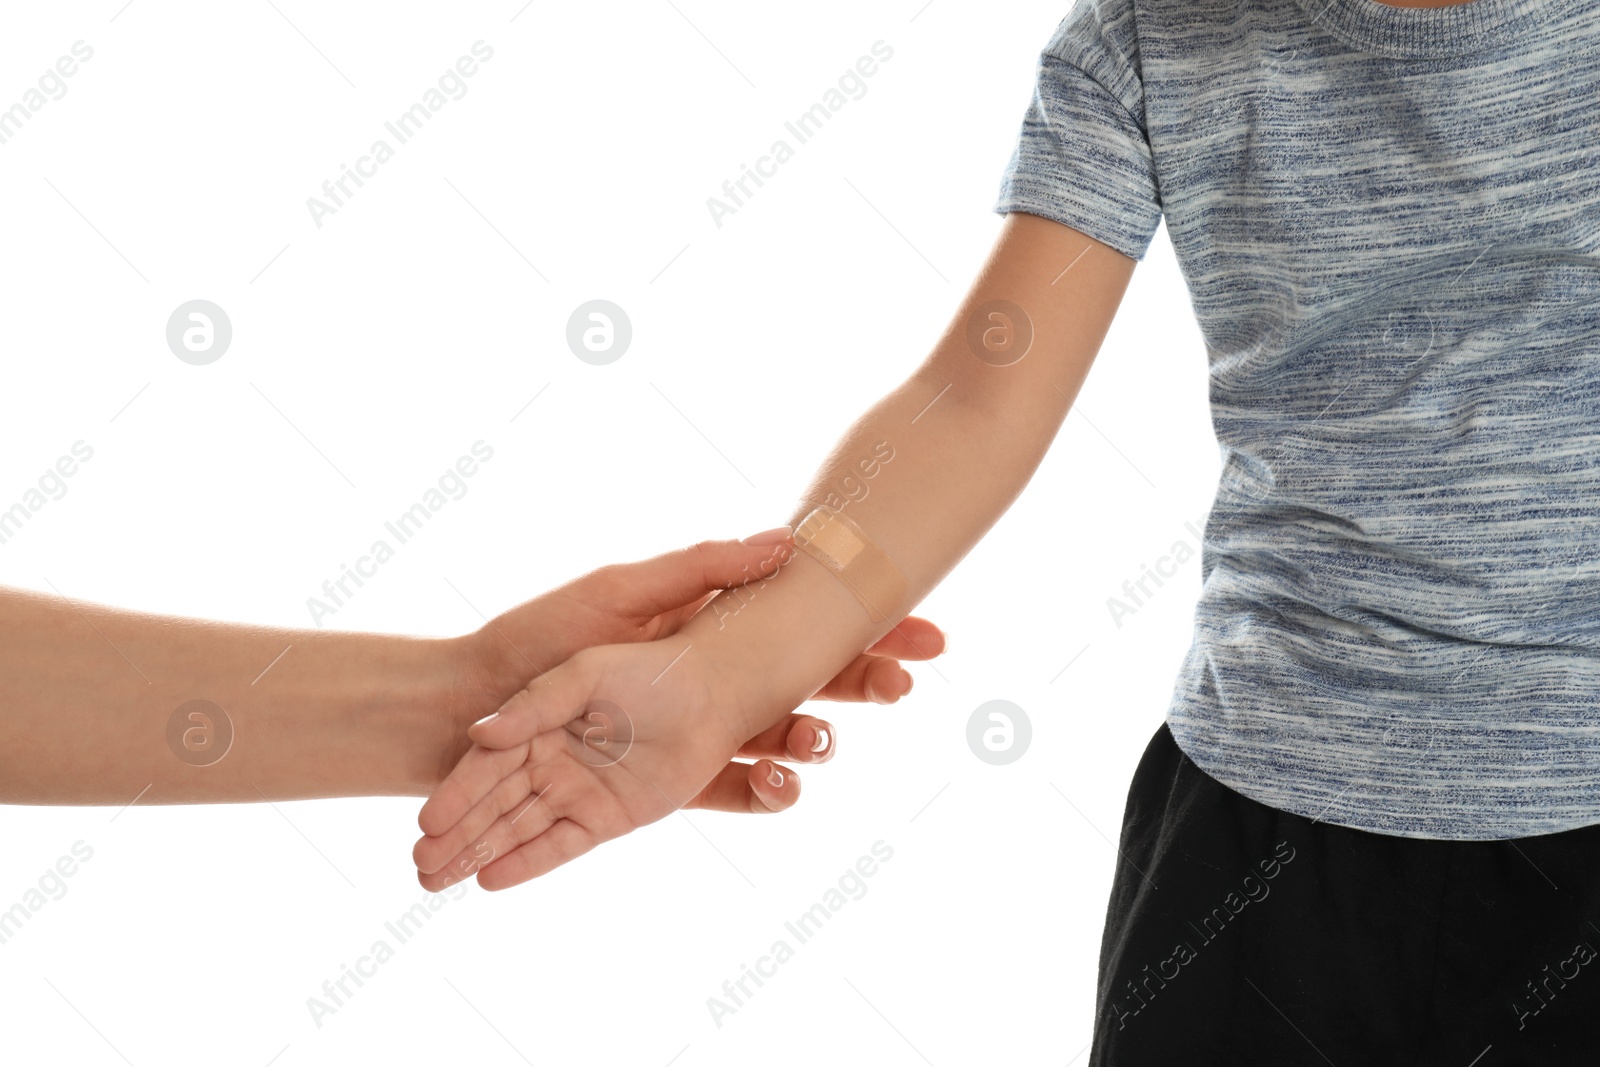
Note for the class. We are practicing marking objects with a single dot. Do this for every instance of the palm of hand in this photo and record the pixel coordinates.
(630, 752)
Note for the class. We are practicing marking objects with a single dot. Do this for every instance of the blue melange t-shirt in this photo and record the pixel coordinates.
(1389, 223)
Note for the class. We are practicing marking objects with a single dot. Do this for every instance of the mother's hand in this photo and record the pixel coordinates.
(644, 601)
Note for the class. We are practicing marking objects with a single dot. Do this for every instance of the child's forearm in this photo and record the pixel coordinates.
(98, 706)
(965, 435)
(951, 477)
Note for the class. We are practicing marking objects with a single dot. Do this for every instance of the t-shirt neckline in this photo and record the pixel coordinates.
(1427, 32)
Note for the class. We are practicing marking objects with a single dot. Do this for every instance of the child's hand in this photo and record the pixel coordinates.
(643, 601)
(616, 737)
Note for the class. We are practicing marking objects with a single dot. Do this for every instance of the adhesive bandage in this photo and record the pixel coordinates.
(844, 548)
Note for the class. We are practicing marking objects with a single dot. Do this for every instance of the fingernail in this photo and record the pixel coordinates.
(911, 680)
(877, 697)
(775, 779)
(491, 717)
(821, 744)
(768, 537)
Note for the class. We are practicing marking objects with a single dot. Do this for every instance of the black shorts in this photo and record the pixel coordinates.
(1239, 934)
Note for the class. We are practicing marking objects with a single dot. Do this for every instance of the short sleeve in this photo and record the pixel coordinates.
(1083, 156)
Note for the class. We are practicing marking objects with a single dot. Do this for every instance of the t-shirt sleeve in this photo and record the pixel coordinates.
(1083, 157)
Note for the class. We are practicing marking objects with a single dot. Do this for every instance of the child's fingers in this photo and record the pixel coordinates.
(761, 787)
(523, 821)
(876, 678)
(527, 820)
(550, 701)
(912, 638)
(516, 789)
(479, 771)
(563, 842)
(796, 738)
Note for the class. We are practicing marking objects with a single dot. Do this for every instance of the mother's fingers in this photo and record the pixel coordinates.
(796, 738)
(761, 787)
(674, 579)
(912, 638)
(876, 678)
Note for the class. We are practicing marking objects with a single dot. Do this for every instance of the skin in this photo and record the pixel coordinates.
(526, 800)
(87, 692)
(966, 435)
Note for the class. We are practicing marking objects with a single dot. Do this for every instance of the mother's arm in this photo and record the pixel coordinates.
(100, 705)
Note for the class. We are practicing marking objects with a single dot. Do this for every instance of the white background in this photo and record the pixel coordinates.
(422, 317)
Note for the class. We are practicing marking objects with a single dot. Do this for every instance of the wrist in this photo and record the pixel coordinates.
(707, 682)
(751, 676)
(354, 715)
(471, 678)
(771, 646)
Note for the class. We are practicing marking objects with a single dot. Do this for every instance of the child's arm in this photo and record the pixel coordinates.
(966, 436)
